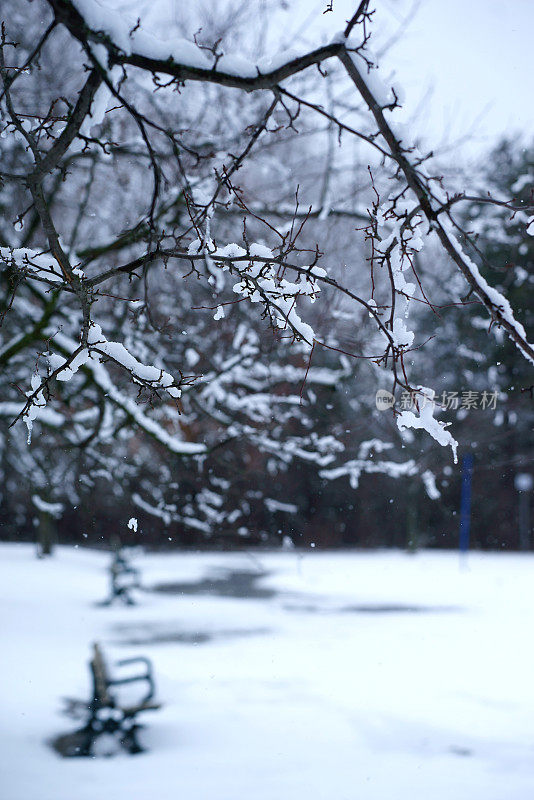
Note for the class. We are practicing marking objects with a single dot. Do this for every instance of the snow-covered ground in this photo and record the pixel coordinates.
(351, 676)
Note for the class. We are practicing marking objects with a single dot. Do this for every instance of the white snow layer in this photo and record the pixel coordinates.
(131, 38)
(426, 421)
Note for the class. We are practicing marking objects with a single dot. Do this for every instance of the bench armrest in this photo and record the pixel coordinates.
(134, 678)
(136, 660)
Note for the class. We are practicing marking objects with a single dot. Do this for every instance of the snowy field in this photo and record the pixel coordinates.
(346, 676)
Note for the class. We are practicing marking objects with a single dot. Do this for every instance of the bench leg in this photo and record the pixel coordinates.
(124, 595)
(88, 737)
(130, 741)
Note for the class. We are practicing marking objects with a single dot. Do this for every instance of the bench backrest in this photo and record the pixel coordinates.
(100, 677)
(103, 680)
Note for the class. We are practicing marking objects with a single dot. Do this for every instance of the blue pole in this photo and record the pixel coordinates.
(465, 503)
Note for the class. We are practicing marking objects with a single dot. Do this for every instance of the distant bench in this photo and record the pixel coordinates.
(106, 714)
(123, 578)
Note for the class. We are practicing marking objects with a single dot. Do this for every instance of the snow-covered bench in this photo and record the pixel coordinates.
(108, 715)
(123, 578)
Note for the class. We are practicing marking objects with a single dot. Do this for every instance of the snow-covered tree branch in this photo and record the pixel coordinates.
(156, 241)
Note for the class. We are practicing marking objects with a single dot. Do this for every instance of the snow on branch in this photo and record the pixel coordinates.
(54, 509)
(64, 367)
(260, 281)
(419, 184)
(426, 421)
(353, 470)
(497, 303)
(363, 464)
(127, 43)
(32, 264)
(104, 382)
(144, 374)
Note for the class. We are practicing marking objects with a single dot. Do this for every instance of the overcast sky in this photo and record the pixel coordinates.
(476, 55)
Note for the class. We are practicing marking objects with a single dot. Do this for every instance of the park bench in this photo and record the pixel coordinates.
(107, 714)
(123, 578)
